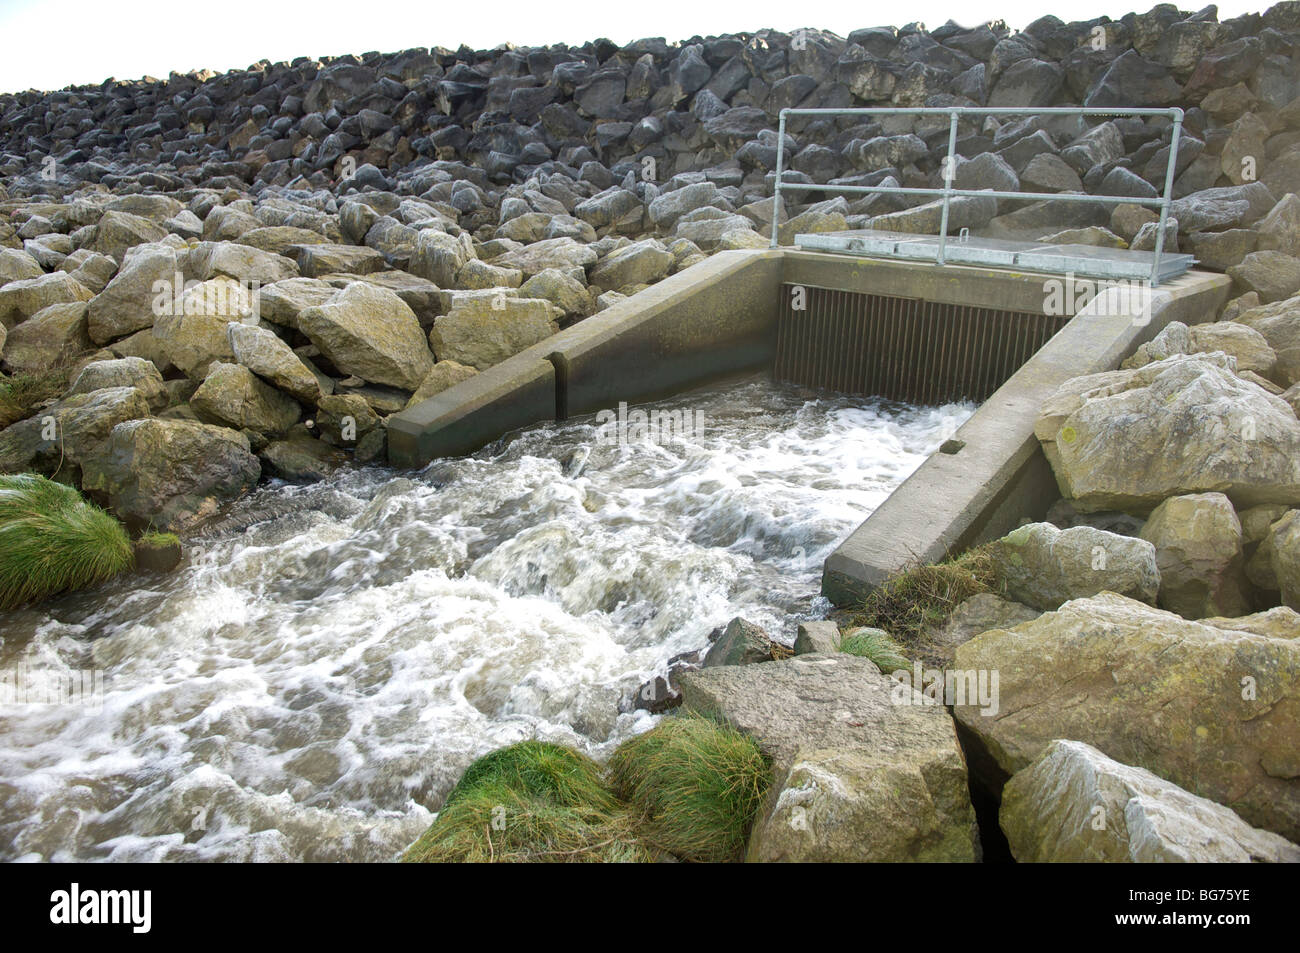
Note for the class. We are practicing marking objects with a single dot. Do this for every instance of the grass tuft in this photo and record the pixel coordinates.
(698, 783)
(23, 394)
(531, 802)
(924, 597)
(877, 646)
(52, 540)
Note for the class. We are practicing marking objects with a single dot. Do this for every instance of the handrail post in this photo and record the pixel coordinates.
(1167, 198)
(949, 171)
(776, 188)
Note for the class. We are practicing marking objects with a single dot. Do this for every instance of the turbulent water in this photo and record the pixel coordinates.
(311, 686)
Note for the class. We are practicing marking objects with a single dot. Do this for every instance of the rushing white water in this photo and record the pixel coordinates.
(309, 688)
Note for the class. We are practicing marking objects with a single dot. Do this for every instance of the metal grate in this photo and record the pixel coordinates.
(907, 349)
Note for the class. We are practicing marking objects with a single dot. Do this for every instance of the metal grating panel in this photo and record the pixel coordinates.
(906, 349)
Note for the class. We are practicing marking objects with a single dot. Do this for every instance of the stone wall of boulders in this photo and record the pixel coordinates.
(258, 267)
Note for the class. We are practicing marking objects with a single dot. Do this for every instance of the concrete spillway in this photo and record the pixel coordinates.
(914, 331)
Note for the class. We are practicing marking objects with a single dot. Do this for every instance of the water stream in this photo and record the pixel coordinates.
(311, 686)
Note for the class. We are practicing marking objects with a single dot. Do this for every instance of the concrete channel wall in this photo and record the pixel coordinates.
(717, 319)
(711, 321)
(997, 476)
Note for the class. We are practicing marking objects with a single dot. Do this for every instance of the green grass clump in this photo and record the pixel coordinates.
(698, 783)
(52, 540)
(877, 646)
(21, 395)
(155, 540)
(531, 802)
(923, 597)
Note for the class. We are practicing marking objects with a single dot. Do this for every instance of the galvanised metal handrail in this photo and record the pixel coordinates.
(947, 192)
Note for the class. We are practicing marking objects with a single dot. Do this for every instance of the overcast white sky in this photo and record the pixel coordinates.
(49, 44)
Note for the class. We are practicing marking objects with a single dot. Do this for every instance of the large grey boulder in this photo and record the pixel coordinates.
(1042, 566)
(370, 332)
(1284, 554)
(68, 431)
(1130, 439)
(50, 338)
(1250, 348)
(439, 257)
(1213, 709)
(21, 299)
(170, 474)
(194, 334)
(978, 614)
(641, 262)
(127, 303)
(263, 353)
(118, 232)
(1273, 275)
(233, 395)
(1279, 323)
(1198, 543)
(123, 372)
(239, 261)
(444, 374)
(481, 332)
(1076, 805)
(741, 643)
(17, 265)
(282, 302)
(562, 253)
(864, 769)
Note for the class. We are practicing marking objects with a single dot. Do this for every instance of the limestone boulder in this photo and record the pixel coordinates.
(1284, 553)
(1279, 323)
(371, 333)
(170, 474)
(1250, 348)
(560, 288)
(267, 356)
(976, 615)
(317, 260)
(233, 395)
(439, 257)
(561, 253)
(1075, 805)
(1214, 710)
(128, 303)
(282, 302)
(1198, 541)
(1130, 439)
(860, 772)
(481, 332)
(1273, 275)
(50, 338)
(193, 335)
(68, 431)
(444, 374)
(638, 263)
(17, 265)
(300, 458)
(239, 261)
(1043, 566)
(123, 372)
(118, 232)
(741, 643)
(21, 299)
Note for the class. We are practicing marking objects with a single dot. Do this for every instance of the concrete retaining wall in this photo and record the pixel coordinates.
(711, 321)
(1000, 478)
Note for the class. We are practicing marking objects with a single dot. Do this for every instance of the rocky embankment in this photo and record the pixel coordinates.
(209, 279)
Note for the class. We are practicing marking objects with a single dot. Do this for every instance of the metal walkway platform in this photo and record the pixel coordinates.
(1087, 261)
